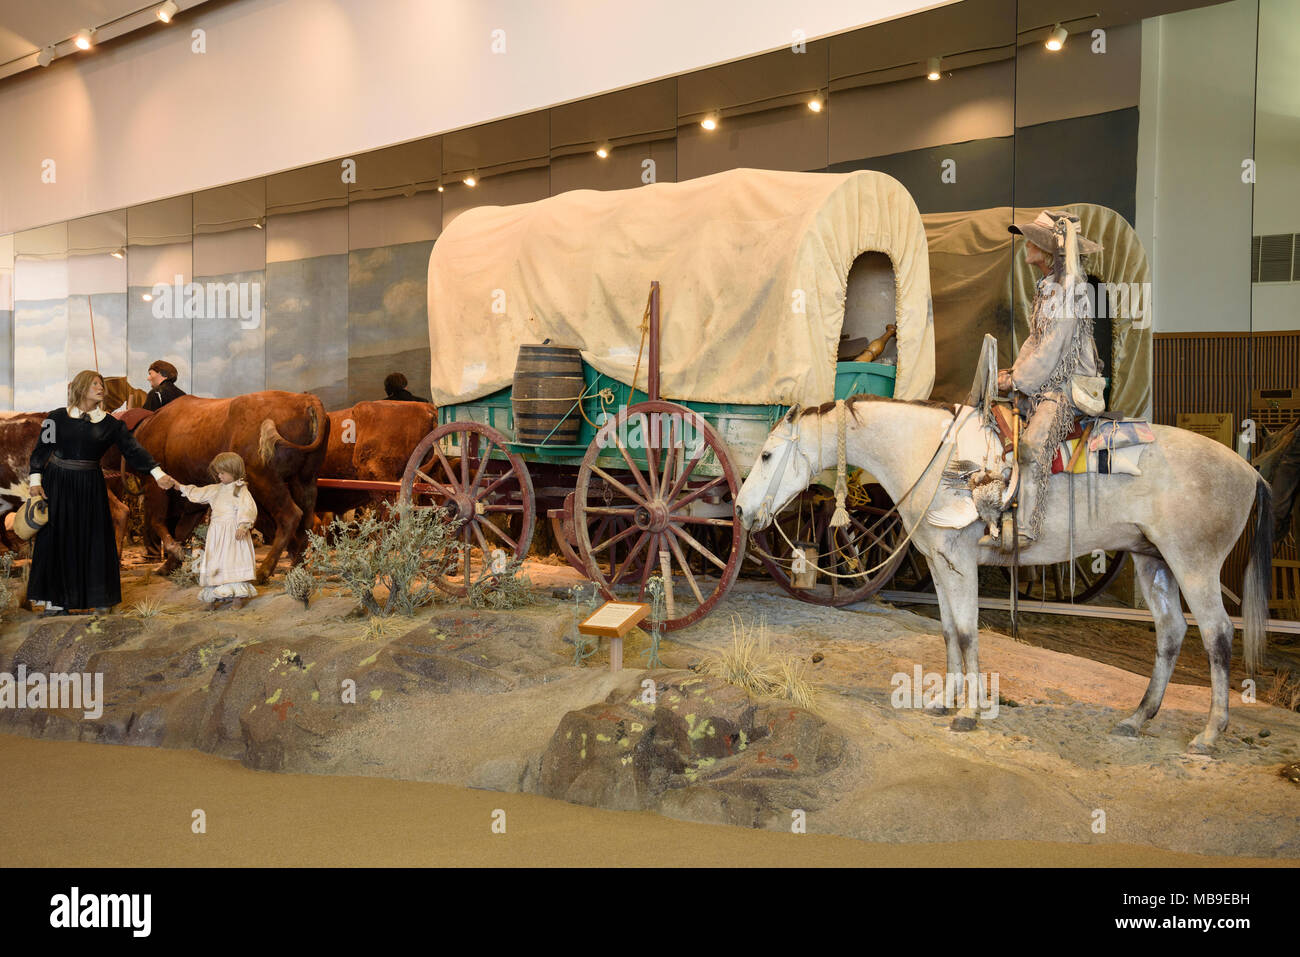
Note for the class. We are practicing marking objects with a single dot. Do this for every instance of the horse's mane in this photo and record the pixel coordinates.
(851, 401)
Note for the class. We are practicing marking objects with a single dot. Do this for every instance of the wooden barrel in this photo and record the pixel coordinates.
(548, 381)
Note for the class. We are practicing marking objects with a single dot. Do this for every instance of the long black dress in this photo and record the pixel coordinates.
(75, 561)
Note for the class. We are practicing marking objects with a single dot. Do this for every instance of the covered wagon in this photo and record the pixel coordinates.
(629, 420)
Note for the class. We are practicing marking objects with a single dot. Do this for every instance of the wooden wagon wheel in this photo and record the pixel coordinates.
(602, 527)
(1052, 582)
(664, 506)
(874, 532)
(454, 468)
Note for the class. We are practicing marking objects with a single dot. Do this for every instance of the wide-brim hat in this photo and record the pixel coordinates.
(1042, 232)
(31, 518)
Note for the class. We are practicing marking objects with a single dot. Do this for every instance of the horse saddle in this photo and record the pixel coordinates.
(983, 475)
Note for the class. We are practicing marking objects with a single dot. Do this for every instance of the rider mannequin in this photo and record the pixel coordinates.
(1057, 359)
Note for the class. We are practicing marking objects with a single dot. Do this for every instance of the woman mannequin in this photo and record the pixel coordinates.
(75, 562)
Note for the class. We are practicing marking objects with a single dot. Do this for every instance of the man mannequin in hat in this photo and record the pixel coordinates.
(162, 378)
(1058, 371)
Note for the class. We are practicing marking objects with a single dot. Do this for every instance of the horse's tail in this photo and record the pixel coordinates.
(1257, 580)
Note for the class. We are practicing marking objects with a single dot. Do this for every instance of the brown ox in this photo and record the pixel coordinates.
(19, 432)
(281, 436)
(371, 441)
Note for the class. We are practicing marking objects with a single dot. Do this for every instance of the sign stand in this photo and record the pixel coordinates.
(613, 620)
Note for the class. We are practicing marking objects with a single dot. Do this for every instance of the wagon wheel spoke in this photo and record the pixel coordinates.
(627, 562)
(868, 532)
(451, 474)
(631, 467)
(492, 509)
(482, 464)
(647, 570)
(482, 542)
(686, 567)
(651, 455)
(438, 487)
(696, 493)
(465, 552)
(607, 542)
(503, 536)
(621, 488)
(690, 540)
(686, 474)
(670, 455)
(501, 480)
(1058, 580)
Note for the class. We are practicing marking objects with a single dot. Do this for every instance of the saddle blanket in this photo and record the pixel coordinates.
(1113, 446)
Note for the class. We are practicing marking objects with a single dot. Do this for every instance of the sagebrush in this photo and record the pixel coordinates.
(402, 552)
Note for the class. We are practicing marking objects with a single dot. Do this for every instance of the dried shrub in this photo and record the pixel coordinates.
(6, 589)
(508, 589)
(404, 552)
(751, 664)
(300, 583)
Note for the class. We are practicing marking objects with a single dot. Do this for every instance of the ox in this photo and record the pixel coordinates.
(281, 437)
(371, 441)
(19, 432)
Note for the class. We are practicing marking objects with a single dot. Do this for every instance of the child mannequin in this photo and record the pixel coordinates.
(226, 569)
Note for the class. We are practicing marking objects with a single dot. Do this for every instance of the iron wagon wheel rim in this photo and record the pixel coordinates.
(469, 486)
(1032, 573)
(667, 501)
(846, 593)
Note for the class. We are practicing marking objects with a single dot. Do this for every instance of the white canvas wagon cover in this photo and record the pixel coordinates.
(738, 254)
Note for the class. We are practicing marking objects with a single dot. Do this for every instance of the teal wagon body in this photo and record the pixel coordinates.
(742, 427)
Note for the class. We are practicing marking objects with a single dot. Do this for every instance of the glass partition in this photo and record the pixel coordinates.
(97, 295)
(307, 282)
(6, 322)
(394, 215)
(41, 318)
(230, 268)
(162, 301)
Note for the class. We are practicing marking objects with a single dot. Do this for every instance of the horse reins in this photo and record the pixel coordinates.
(793, 441)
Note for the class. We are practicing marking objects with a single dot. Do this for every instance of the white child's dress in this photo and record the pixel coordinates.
(228, 565)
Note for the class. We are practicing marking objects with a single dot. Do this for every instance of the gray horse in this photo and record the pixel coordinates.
(1179, 519)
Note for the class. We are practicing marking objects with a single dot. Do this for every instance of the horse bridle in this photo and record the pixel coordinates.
(792, 442)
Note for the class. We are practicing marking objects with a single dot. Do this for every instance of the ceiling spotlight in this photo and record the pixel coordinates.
(815, 104)
(470, 181)
(1056, 39)
(710, 122)
(259, 222)
(46, 56)
(932, 68)
(118, 253)
(603, 152)
(441, 188)
(83, 39)
(167, 11)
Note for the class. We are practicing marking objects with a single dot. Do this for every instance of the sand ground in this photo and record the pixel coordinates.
(1022, 789)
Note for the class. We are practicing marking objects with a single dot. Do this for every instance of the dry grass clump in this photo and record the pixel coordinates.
(145, 609)
(1285, 691)
(751, 664)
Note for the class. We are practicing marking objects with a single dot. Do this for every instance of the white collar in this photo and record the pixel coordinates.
(95, 415)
